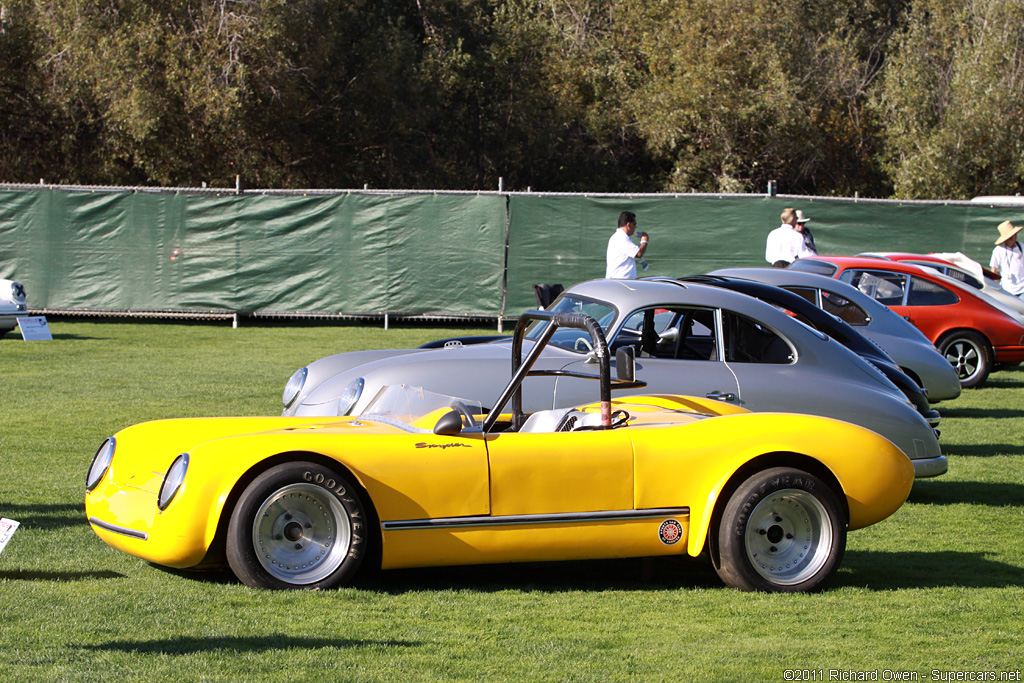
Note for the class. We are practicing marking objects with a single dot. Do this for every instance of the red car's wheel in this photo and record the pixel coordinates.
(297, 525)
(969, 353)
(782, 530)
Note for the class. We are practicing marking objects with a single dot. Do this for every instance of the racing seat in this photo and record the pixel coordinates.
(559, 420)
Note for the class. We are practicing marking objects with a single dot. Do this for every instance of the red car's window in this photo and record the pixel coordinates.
(885, 287)
(926, 293)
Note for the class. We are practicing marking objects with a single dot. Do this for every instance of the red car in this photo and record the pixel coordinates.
(970, 332)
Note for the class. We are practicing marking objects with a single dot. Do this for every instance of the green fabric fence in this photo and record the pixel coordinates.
(563, 240)
(415, 254)
(458, 254)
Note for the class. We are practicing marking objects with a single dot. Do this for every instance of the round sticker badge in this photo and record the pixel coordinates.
(670, 532)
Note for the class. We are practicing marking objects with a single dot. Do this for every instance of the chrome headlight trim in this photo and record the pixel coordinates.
(100, 463)
(294, 386)
(351, 394)
(17, 292)
(173, 480)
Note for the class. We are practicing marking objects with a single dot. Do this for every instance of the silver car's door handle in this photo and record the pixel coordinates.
(721, 396)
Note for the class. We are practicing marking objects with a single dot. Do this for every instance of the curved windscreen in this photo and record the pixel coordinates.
(416, 409)
(572, 338)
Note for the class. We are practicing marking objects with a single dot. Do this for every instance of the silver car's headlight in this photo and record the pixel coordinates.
(100, 464)
(18, 293)
(349, 397)
(172, 481)
(294, 386)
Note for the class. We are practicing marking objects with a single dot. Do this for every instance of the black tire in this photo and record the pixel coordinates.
(297, 525)
(969, 353)
(782, 531)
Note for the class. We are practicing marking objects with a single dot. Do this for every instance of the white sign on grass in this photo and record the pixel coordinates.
(7, 529)
(34, 328)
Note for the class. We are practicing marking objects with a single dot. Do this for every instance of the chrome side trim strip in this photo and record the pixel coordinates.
(522, 520)
(124, 531)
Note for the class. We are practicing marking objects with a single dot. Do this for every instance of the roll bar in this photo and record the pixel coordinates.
(522, 367)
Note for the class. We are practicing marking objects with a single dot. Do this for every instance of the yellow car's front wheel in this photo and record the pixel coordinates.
(297, 525)
(782, 530)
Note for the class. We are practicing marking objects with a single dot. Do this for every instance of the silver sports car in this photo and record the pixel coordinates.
(12, 305)
(689, 338)
(914, 352)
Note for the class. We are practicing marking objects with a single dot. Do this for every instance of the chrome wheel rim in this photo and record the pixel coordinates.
(965, 357)
(788, 537)
(301, 534)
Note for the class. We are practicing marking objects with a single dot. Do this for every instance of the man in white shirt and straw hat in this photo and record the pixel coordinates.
(1008, 259)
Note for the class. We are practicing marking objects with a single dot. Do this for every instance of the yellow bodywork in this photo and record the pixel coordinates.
(470, 499)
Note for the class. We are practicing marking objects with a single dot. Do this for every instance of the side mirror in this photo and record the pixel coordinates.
(450, 424)
(625, 363)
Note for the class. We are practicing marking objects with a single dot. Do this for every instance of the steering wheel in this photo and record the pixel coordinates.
(463, 410)
(585, 342)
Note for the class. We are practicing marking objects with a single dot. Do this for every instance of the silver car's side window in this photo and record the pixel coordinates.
(748, 341)
(808, 293)
(844, 309)
(676, 332)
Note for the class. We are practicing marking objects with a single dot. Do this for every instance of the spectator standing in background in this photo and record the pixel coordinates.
(790, 241)
(622, 251)
(1008, 259)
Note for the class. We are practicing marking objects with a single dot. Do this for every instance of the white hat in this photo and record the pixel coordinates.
(1007, 230)
(800, 217)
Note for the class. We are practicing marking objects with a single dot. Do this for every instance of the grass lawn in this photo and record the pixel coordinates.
(936, 589)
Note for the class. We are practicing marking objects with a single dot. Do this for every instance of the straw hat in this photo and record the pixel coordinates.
(800, 217)
(1007, 230)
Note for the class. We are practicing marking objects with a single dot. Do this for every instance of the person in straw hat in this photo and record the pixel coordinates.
(1008, 259)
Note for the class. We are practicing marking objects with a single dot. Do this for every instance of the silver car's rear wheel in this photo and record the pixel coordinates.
(782, 530)
(297, 525)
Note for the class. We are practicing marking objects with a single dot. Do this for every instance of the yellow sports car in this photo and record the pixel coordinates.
(423, 480)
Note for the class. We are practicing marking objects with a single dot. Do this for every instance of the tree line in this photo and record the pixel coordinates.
(885, 98)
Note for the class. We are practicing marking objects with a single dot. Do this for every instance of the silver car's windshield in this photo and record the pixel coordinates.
(418, 410)
(572, 338)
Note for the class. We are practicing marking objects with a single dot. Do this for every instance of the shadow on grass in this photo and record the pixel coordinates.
(973, 492)
(46, 516)
(78, 337)
(644, 574)
(188, 646)
(890, 571)
(982, 413)
(1006, 378)
(864, 569)
(986, 450)
(58, 577)
(657, 573)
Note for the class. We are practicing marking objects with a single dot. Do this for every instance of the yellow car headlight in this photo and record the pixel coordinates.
(173, 480)
(100, 463)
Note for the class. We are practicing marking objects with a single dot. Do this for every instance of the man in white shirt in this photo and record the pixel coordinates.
(1008, 260)
(788, 242)
(622, 251)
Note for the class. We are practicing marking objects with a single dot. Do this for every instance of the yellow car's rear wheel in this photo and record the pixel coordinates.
(783, 530)
(297, 525)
